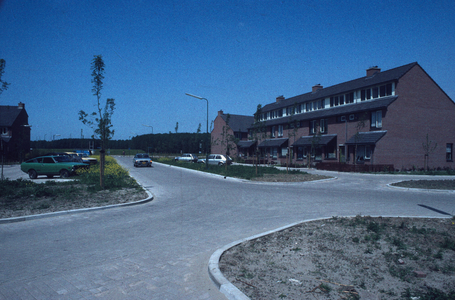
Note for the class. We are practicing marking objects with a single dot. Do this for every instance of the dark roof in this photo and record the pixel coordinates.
(336, 111)
(308, 140)
(245, 144)
(366, 138)
(273, 143)
(345, 87)
(239, 123)
(8, 114)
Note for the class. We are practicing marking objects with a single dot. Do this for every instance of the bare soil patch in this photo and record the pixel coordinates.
(348, 258)
(62, 198)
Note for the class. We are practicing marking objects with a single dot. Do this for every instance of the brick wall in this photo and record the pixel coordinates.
(422, 108)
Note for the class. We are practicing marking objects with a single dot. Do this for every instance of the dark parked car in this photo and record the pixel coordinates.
(51, 166)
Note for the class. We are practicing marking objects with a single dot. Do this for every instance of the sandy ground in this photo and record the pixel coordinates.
(347, 258)
(73, 198)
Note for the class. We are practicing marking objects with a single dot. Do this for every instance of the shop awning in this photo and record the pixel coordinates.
(273, 143)
(366, 138)
(245, 144)
(322, 140)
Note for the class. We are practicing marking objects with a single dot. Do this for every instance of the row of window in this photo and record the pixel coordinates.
(321, 125)
(330, 152)
(363, 152)
(342, 99)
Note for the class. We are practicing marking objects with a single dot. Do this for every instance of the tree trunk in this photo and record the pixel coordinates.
(102, 169)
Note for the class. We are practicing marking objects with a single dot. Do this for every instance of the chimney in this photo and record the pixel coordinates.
(373, 70)
(279, 98)
(21, 105)
(220, 113)
(316, 87)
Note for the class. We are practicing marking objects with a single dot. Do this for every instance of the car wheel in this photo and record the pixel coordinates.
(32, 174)
(64, 174)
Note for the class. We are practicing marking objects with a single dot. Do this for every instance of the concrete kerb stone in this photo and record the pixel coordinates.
(76, 211)
(225, 286)
(231, 291)
(392, 186)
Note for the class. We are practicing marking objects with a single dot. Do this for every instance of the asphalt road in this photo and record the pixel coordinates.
(160, 250)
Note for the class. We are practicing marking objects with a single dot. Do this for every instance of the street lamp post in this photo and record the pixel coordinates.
(206, 142)
(148, 126)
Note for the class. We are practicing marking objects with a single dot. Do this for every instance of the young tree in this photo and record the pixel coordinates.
(100, 121)
(428, 148)
(228, 141)
(357, 137)
(258, 133)
(315, 140)
(3, 84)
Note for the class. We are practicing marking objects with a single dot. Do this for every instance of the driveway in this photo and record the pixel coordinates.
(160, 250)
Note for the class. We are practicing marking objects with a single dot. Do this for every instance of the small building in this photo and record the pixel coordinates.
(14, 132)
(231, 130)
(398, 118)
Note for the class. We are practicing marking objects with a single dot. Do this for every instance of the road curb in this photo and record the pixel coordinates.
(390, 185)
(75, 211)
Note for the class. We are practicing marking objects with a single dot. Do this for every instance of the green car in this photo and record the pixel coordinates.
(50, 166)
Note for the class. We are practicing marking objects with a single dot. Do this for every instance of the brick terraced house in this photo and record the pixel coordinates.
(14, 132)
(399, 118)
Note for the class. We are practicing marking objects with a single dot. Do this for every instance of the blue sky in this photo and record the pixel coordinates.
(237, 54)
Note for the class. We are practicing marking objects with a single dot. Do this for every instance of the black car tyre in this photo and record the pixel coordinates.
(32, 174)
(64, 174)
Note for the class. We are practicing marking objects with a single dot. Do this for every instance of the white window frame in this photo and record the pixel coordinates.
(376, 119)
(274, 152)
(280, 130)
(449, 152)
(322, 125)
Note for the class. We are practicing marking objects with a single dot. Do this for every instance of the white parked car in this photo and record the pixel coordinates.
(217, 159)
(188, 157)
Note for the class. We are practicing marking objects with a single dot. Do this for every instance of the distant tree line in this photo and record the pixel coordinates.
(156, 143)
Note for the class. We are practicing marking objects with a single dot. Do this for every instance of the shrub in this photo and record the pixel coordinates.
(115, 176)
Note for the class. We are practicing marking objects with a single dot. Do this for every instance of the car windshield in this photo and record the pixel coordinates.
(142, 156)
(62, 158)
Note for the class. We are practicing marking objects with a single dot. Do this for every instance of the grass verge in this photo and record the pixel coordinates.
(237, 171)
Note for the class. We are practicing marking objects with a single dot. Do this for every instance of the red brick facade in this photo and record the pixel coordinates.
(385, 118)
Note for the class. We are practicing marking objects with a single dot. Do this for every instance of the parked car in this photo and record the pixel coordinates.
(217, 159)
(51, 166)
(188, 157)
(87, 159)
(142, 159)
